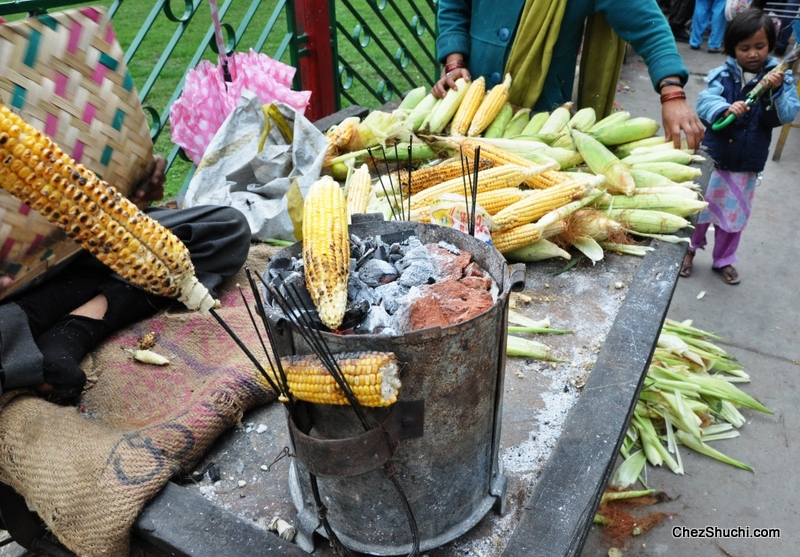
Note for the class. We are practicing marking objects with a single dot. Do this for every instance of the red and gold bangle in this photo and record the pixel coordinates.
(450, 66)
(673, 95)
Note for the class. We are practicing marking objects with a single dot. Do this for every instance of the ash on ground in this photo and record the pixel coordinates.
(396, 288)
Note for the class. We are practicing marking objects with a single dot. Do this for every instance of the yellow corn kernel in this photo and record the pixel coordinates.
(424, 178)
(358, 190)
(326, 250)
(372, 376)
(535, 206)
(495, 201)
(490, 107)
(95, 214)
(468, 108)
(506, 176)
(514, 238)
(499, 156)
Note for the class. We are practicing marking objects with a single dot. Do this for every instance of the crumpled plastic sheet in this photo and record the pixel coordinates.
(207, 99)
(234, 173)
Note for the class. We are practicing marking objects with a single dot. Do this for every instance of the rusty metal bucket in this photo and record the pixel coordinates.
(447, 419)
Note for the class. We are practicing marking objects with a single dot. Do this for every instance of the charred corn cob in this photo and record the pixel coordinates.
(490, 107)
(35, 170)
(535, 206)
(506, 176)
(373, 377)
(326, 250)
(358, 190)
(468, 108)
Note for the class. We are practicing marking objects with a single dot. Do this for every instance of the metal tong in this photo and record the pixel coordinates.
(760, 89)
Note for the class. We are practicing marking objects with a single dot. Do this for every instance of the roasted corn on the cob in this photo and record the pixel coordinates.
(38, 172)
(373, 377)
(326, 250)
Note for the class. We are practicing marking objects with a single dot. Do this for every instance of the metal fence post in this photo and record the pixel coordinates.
(316, 47)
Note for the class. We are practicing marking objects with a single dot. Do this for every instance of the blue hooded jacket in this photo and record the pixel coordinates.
(743, 146)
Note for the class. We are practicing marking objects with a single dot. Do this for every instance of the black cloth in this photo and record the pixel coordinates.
(680, 14)
(218, 239)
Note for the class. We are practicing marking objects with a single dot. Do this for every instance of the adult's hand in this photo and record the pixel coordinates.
(678, 117)
(151, 188)
(448, 81)
(5, 282)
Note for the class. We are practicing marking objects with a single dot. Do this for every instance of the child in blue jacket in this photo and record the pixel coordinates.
(740, 150)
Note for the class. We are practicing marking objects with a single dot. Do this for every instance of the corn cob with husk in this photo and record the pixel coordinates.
(612, 119)
(35, 170)
(537, 251)
(490, 107)
(677, 156)
(358, 189)
(535, 124)
(372, 376)
(674, 171)
(627, 131)
(602, 161)
(517, 123)
(583, 119)
(669, 203)
(647, 179)
(445, 111)
(498, 125)
(469, 106)
(648, 221)
(326, 250)
(506, 176)
(625, 149)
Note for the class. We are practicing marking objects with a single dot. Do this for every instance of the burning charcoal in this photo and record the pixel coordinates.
(376, 272)
(354, 314)
(449, 247)
(358, 290)
(280, 265)
(416, 254)
(418, 273)
(391, 296)
(375, 322)
(381, 252)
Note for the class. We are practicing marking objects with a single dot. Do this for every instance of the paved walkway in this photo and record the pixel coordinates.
(760, 319)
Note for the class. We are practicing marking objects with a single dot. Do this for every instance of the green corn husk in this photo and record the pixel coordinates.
(663, 155)
(517, 123)
(674, 204)
(624, 149)
(611, 120)
(626, 249)
(583, 120)
(566, 158)
(420, 112)
(674, 171)
(526, 348)
(702, 448)
(498, 125)
(419, 152)
(602, 161)
(519, 319)
(535, 124)
(445, 111)
(648, 221)
(627, 131)
(537, 251)
(412, 99)
(558, 122)
(630, 470)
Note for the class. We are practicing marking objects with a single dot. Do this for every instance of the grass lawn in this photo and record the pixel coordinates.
(371, 35)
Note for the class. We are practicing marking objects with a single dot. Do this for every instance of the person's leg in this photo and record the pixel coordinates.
(698, 240)
(718, 24)
(680, 14)
(702, 15)
(724, 254)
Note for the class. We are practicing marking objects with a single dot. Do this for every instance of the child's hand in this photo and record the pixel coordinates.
(738, 108)
(774, 80)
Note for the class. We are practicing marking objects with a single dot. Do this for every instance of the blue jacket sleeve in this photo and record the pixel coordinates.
(644, 26)
(711, 102)
(453, 19)
(787, 103)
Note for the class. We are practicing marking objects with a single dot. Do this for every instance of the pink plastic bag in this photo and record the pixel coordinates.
(207, 99)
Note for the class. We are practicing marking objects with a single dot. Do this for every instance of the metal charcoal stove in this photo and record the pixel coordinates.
(446, 422)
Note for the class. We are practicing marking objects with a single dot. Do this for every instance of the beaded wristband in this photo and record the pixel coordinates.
(668, 82)
(671, 96)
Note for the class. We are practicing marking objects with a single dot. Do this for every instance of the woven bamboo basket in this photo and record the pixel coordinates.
(65, 74)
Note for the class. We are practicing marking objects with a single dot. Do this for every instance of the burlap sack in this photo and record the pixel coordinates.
(88, 471)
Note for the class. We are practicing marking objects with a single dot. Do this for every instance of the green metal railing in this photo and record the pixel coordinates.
(381, 48)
